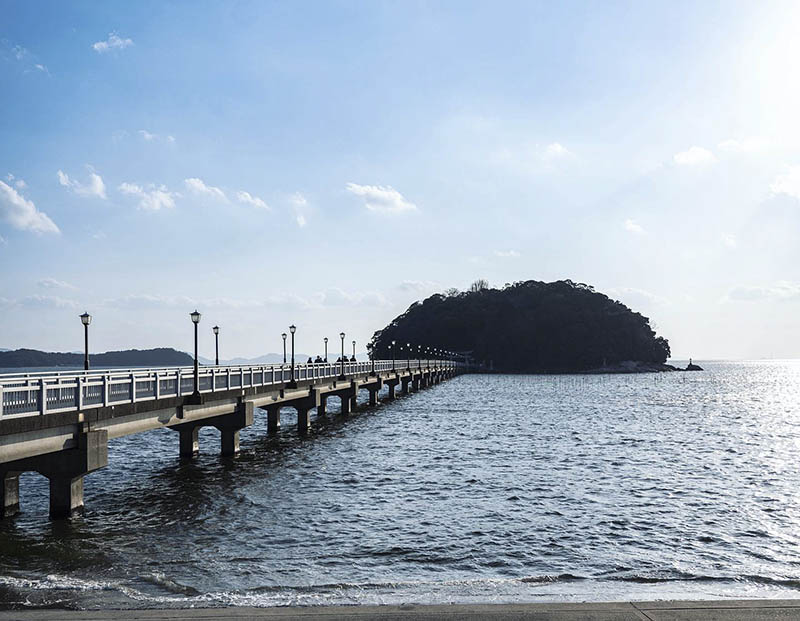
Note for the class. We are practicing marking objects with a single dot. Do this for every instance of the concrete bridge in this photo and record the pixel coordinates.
(59, 424)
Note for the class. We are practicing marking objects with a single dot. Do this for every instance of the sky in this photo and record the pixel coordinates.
(326, 164)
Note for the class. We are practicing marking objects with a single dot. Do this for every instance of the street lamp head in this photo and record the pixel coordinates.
(195, 317)
(86, 319)
(354, 343)
(283, 335)
(325, 339)
(292, 329)
(341, 335)
(215, 329)
(394, 342)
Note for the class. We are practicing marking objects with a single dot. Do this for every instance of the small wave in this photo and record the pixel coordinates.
(550, 579)
(170, 585)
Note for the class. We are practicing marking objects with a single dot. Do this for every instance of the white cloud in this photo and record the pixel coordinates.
(114, 42)
(300, 204)
(147, 135)
(729, 240)
(632, 227)
(95, 187)
(636, 297)
(555, 151)
(198, 186)
(694, 156)
(507, 253)
(782, 290)
(22, 214)
(3, 241)
(171, 139)
(46, 301)
(384, 199)
(788, 183)
(419, 286)
(19, 183)
(52, 283)
(152, 198)
(249, 199)
(746, 145)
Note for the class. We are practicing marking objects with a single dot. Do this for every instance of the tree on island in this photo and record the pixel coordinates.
(528, 326)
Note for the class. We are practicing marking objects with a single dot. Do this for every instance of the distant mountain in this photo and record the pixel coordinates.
(160, 357)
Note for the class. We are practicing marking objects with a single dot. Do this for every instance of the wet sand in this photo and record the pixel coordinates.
(722, 610)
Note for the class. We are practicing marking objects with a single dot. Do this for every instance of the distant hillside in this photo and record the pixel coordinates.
(160, 357)
(531, 326)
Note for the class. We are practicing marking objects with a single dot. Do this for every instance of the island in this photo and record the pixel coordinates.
(129, 358)
(529, 327)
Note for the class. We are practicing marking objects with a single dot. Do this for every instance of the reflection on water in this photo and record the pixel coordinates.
(485, 488)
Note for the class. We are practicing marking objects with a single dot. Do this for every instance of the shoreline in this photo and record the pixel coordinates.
(662, 610)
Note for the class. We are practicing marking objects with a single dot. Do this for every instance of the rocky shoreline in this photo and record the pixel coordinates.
(635, 366)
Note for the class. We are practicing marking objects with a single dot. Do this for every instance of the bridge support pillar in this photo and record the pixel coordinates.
(322, 407)
(230, 425)
(10, 489)
(189, 446)
(65, 470)
(66, 496)
(303, 420)
(373, 396)
(415, 383)
(405, 381)
(273, 418)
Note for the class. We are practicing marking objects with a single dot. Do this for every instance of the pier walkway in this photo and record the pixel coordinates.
(59, 424)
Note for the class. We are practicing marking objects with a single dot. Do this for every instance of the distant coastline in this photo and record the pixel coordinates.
(162, 356)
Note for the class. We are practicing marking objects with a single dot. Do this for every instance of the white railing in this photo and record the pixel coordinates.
(37, 394)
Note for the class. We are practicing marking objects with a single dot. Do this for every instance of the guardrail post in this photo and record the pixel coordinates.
(157, 391)
(228, 380)
(79, 395)
(178, 383)
(42, 397)
(213, 381)
(1, 400)
(241, 378)
(133, 388)
(105, 389)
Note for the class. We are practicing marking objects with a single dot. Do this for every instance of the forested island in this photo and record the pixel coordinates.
(159, 357)
(530, 327)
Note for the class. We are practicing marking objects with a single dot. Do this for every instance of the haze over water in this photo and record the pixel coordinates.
(481, 489)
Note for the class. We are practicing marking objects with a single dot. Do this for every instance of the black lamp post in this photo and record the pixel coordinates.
(393, 354)
(283, 336)
(341, 375)
(196, 320)
(326, 349)
(354, 349)
(292, 383)
(372, 357)
(419, 356)
(86, 319)
(408, 354)
(216, 344)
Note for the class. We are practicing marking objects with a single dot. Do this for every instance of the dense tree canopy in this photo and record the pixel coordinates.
(529, 326)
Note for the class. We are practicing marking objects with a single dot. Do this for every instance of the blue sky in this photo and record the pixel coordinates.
(328, 163)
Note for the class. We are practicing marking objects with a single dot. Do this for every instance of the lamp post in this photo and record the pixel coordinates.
(196, 320)
(372, 358)
(216, 344)
(86, 319)
(341, 375)
(326, 349)
(408, 353)
(292, 383)
(392, 347)
(419, 356)
(354, 349)
(283, 336)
